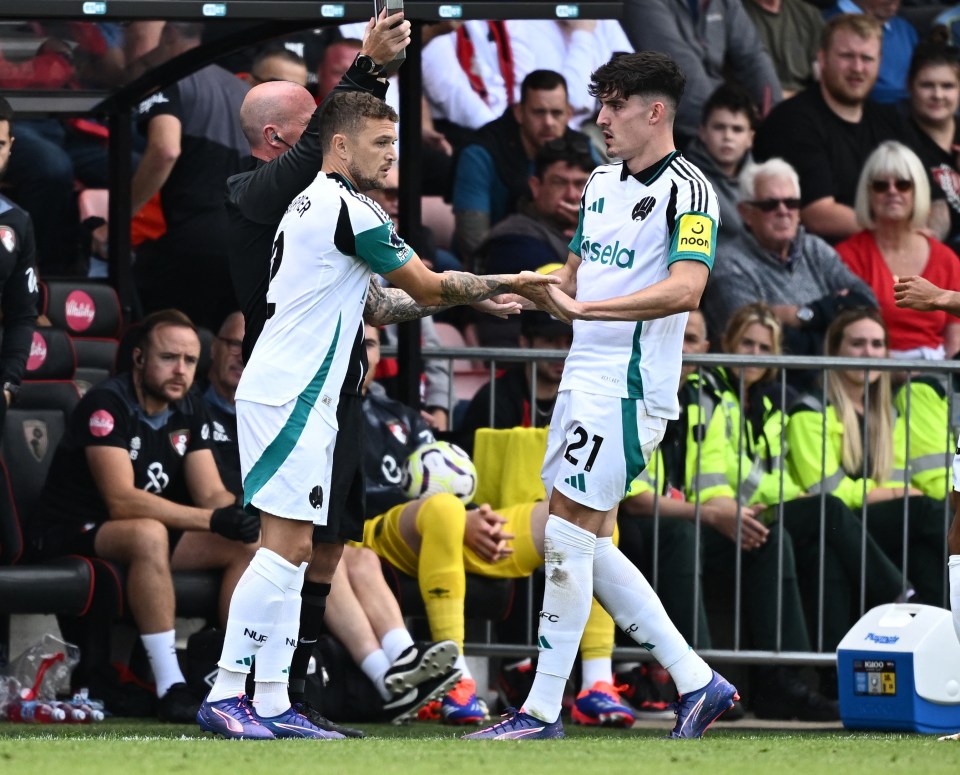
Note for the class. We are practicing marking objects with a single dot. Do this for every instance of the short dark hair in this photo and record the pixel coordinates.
(572, 149)
(276, 52)
(542, 80)
(163, 317)
(6, 112)
(729, 96)
(645, 73)
(343, 113)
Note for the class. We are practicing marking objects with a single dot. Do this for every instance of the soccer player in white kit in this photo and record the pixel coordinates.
(638, 262)
(330, 241)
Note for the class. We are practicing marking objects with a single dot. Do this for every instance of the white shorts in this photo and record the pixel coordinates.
(597, 445)
(286, 458)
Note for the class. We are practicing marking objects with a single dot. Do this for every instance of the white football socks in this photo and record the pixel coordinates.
(622, 589)
(395, 642)
(255, 607)
(374, 667)
(568, 564)
(594, 670)
(271, 697)
(161, 650)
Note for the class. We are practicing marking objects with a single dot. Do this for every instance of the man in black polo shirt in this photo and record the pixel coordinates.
(827, 131)
(134, 481)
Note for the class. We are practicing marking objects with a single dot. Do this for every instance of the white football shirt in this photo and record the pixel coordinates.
(632, 227)
(329, 242)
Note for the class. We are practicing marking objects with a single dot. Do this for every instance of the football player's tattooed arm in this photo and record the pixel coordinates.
(450, 288)
(392, 305)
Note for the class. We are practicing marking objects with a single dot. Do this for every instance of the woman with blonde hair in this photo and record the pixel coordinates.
(752, 408)
(855, 447)
(892, 205)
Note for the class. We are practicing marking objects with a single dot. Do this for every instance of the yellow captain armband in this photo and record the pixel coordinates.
(695, 238)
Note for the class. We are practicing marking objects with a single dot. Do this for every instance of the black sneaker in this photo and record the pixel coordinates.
(313, 715)
(642, 689)
(418, 664)
(179, 705)
(405, 707)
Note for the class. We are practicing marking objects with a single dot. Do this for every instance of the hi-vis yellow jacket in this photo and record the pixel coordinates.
(930, 446)
(752, 474)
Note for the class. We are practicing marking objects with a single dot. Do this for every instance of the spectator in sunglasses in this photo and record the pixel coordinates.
(775, 260)
(892, 205)
(827, 130)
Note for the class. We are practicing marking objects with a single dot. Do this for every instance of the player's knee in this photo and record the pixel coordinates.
(442, 511)
(365, 565)
(150, 538)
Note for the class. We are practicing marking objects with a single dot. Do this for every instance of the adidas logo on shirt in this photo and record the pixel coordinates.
(577, 482)
(597, 206)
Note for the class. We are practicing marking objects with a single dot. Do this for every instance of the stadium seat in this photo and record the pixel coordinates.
(83, 308)
(86, 378)
(48, 381)
(72, 587)
(96, 353)
(89, 312)
(52, 356)
(30, 438)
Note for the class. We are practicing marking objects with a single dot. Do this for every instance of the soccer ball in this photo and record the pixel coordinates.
(439, 467)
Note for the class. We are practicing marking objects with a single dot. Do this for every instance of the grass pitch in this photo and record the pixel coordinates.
(123, 746)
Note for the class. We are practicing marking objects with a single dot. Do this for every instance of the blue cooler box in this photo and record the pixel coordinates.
(899, 668)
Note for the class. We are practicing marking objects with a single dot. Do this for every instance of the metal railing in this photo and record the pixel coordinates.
(496, 358)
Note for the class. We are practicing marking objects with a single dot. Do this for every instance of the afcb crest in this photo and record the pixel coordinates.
(37, 438)
(180, 440)
(8, 238)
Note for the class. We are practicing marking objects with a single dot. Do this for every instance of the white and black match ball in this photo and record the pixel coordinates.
(439, 467)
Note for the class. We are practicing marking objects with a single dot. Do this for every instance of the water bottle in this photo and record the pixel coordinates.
(92, 708)
(33, 712)
(73, 714)
(92, 713)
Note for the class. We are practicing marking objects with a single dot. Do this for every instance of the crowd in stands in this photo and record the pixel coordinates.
(829, 134)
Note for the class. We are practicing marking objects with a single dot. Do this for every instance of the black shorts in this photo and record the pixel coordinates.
(347, 484)
(68, 538)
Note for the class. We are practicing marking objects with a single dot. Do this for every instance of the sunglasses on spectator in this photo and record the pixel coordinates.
(882, 186)
(769, 205)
